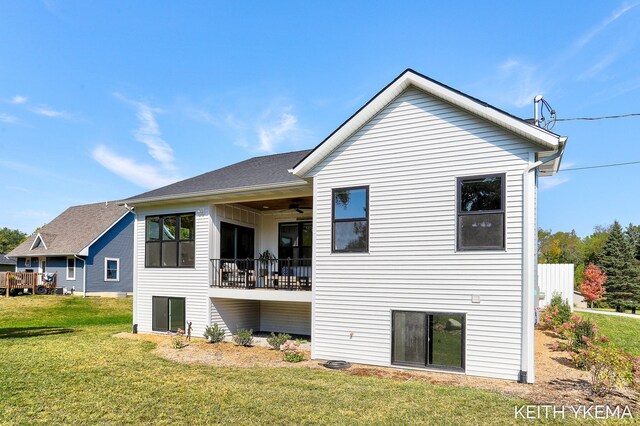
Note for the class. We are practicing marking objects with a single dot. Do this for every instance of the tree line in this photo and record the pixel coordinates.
(614, 249)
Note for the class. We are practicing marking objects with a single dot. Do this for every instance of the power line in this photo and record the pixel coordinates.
(600, 166)
(598, 118)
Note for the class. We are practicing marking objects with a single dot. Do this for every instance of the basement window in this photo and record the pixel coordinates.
(480, 213)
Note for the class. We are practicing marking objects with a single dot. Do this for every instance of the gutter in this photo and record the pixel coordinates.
(528, 313)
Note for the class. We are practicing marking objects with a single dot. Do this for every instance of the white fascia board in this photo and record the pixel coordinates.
(209, 195)
(85, 251)
(539, 136)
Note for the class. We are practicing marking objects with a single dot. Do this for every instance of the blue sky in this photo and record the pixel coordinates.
(104, 100)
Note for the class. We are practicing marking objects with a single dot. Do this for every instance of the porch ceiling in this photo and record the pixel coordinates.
(279, 204)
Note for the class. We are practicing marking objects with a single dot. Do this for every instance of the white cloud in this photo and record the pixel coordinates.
(519, 82)
(274, 133)
(143, 175)
(17, 99)
(547, 183)
(616, 14)
(6, 118)
(49, 112)
(149, 134)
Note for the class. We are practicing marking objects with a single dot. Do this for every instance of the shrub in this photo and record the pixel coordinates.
(582, 334)
(609, 367)
(556, 313)
(292, 352)
(214, 334)
(293, 356)
(243, 337)
(277, 340)
(177, 341)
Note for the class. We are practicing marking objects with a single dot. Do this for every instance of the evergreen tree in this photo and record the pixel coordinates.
(618, 262)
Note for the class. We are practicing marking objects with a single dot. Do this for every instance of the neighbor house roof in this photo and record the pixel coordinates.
(4, 260)
(546, 140)
(256, 172)
(72, 232)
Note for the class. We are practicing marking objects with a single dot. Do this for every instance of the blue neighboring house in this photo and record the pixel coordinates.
(90, 247)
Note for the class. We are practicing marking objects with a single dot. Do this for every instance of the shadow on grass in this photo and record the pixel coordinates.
(15, 333)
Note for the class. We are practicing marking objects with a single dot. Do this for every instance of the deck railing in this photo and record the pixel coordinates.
(275, 274)
(27, 280)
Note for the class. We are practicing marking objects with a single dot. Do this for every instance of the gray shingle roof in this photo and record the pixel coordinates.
(256, 171)
(4, 260)
(73, 230)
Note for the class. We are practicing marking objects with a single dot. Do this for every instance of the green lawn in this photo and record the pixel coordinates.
(624, 332)
(59, 364)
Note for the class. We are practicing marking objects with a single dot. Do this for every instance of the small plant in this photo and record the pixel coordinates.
(243, 337)
(583, 333)
(291, 352)
(177, 339)
(277, 340)
(214, 334)
(610, 367)
(556, 313)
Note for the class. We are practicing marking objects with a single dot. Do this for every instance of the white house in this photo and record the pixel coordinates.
(406, 238)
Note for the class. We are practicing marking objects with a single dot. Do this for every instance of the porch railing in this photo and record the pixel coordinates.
(27, 280)
(275, 274)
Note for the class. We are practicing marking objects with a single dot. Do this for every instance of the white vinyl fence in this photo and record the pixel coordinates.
(555, 278)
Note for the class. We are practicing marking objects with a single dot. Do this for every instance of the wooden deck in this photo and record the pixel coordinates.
(26, 280)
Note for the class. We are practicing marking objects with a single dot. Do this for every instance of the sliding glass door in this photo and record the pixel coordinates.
(236, 242)
(168, 313)
(424, 339)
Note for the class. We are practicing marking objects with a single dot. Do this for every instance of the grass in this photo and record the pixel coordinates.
(59, 364)
(624, 332)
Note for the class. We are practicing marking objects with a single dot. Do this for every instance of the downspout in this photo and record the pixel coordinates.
(529, 275)
(84, 275)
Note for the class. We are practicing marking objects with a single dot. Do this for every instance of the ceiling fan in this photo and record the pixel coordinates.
(296, 205)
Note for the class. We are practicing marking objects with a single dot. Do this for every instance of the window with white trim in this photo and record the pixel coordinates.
(111, 269)
(71, 269)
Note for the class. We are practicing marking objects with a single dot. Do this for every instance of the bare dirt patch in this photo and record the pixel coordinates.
(557, 382)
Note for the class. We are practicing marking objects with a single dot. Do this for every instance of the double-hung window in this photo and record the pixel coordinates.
(170, 241)
(111, 269)
(350, 220)
(480, 211)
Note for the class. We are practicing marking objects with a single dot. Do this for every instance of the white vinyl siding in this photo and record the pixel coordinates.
(279, 317)
(410, 155)
(190, 283)
(232, 314)
(285, 317)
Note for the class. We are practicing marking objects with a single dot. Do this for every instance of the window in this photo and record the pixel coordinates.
(170, 241)
(168, 313)
(236, 242)
(27, 262)
(295, 240)
(480, 207)
(350, 220)
(71, 268)
(424, 339)
(111, 269)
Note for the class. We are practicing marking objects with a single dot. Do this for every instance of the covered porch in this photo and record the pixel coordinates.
(263, 245)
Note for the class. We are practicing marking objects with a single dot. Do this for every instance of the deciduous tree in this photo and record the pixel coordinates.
(592, 287)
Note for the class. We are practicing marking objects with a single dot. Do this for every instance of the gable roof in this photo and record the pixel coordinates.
(4, 260)
(73, 231)
(257, 172)
(545, 139)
